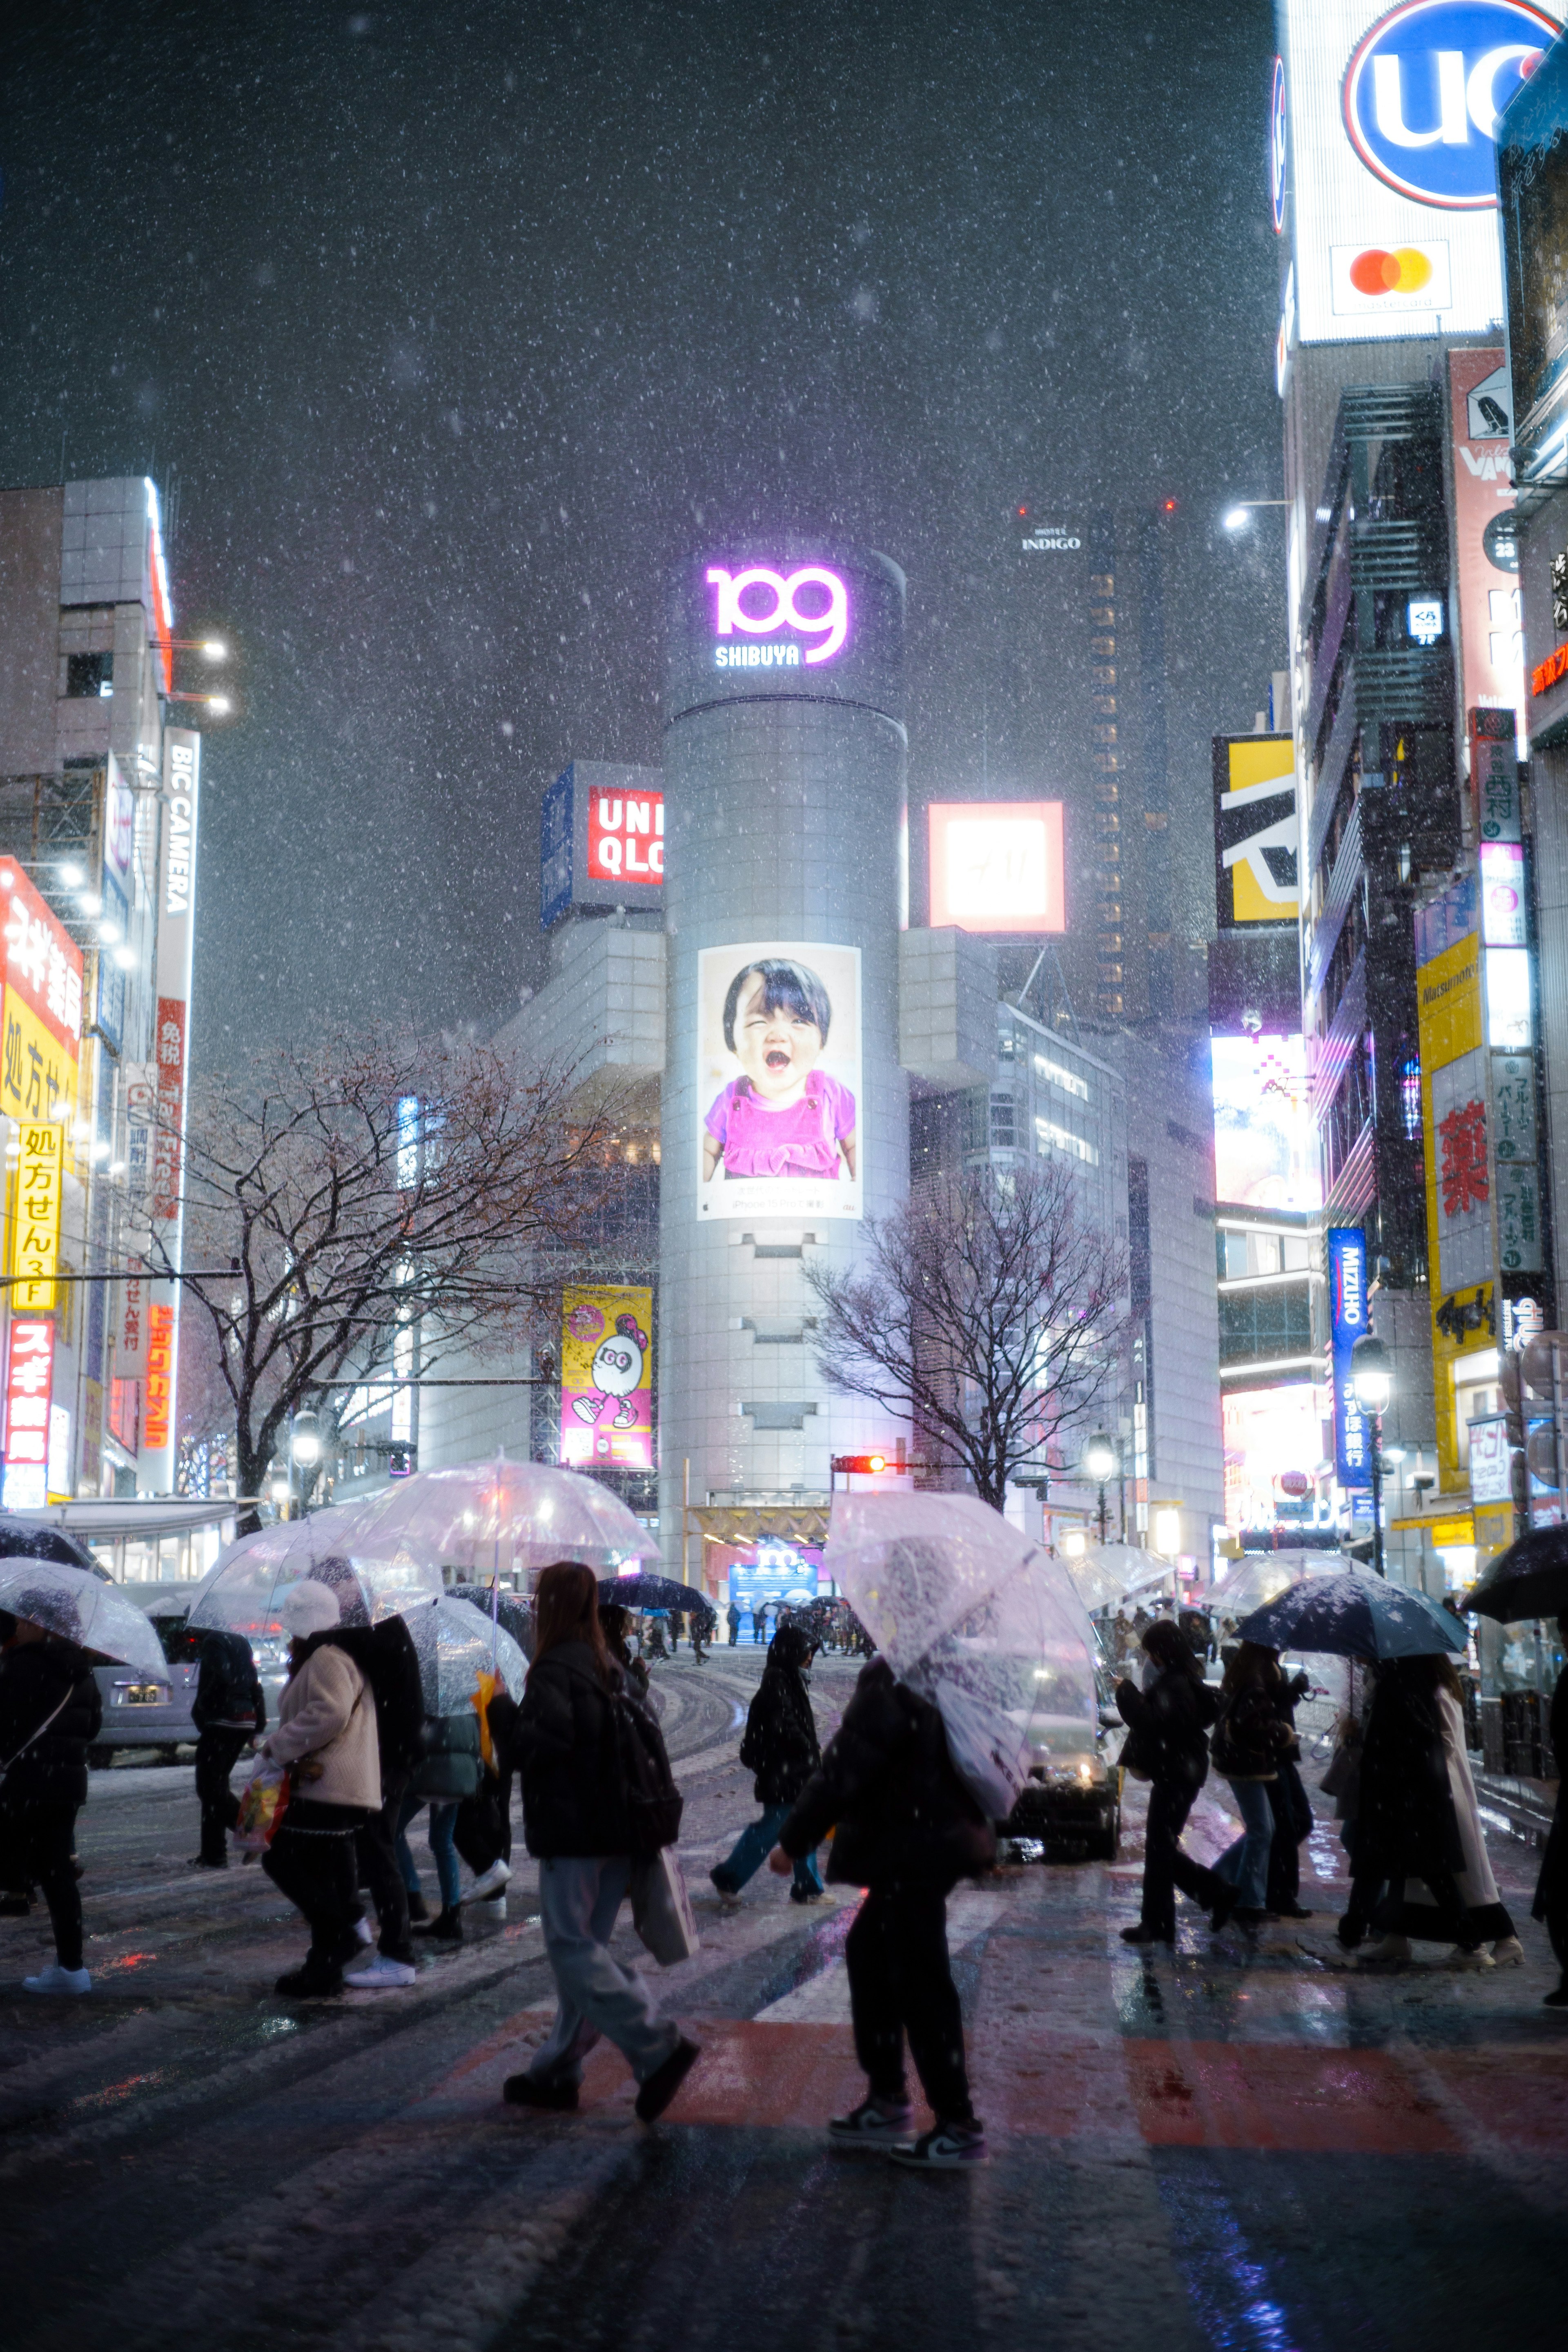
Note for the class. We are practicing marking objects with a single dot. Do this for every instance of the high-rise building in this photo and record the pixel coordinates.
(1403, 645)
(99, 797)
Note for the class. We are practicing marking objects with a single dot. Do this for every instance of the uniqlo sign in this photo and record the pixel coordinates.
(29, 1377)
(626, 836)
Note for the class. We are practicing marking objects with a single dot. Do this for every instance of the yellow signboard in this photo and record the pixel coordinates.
(1256, 836)
(36, 1070)
(36, 1229)
(1460, 1285)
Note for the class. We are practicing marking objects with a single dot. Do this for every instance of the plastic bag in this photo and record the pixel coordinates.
(262, 1806)
(661, 1910)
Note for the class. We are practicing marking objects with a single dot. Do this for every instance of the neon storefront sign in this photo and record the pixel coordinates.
(758, 602)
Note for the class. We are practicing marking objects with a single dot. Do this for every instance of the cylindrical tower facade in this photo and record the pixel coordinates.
(784, 1114)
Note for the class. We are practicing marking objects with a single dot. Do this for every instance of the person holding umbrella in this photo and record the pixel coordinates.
(576, 1817)
(50, 1712)
(1249, 1740)
(1168, 1723)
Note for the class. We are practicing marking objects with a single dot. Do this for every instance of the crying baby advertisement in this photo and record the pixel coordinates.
(779, 1081)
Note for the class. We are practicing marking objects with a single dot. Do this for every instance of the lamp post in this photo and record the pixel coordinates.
(305, 1447)
(1100, 1460)
(1372, 1380)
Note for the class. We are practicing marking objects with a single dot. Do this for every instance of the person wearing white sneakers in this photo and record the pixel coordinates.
(49, 1712)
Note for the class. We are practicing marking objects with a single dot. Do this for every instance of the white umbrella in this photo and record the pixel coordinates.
(1097, 1585)
(975, 1617)
(500, 1517)
(80, 1607)
(245, 1591)
(457, 1644)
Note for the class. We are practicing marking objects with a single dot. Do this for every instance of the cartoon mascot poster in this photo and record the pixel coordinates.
(606, 1378)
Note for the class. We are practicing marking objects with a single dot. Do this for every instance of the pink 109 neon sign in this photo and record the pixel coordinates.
(774, 599)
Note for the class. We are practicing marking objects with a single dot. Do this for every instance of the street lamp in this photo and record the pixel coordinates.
(1099, 1461)
(1372, 1382)
(1237, 518)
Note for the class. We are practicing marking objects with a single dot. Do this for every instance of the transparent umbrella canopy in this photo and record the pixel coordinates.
(80, 1608)
(244, 1594)
(1255, 1581)
(973, 1615)
(510, 1518)
(457, 1644)
(1097, 1586)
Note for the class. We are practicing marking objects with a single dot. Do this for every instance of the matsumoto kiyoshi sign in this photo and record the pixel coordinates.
(804, 614)
(1425, 86)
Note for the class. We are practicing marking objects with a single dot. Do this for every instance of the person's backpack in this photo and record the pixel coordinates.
(386, 1657)
(653, 1802)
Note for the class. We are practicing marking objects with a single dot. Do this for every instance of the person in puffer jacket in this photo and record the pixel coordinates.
(50, 1712)
(907, 1829)
(326, 1735)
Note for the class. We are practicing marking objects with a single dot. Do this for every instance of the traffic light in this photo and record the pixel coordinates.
(869, 1462)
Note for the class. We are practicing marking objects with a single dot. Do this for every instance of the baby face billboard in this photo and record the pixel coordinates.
(778, 1080)
(606, 1378)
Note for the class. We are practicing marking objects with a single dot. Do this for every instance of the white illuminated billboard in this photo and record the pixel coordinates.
(1391, 131)
(1269, 1433)
(996, 865)
(1265, 1142)
(780, 1101)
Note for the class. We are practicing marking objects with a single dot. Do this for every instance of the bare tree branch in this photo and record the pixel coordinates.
(987, 1311)
(368, 1185)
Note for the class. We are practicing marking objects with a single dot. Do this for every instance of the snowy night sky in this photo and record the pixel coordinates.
(449, 327)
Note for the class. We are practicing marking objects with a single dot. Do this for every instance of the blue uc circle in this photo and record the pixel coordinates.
(1425, 86)
(1278, 149)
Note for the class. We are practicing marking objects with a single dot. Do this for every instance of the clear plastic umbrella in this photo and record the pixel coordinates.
(80, 1608)
(500, 1517)
(245, 1592)
(975, 1617)
(457, 1644)
(1097, 1586)
(1264, 1576)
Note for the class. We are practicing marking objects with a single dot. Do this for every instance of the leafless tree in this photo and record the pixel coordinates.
(363, 1187)
(988, 1311)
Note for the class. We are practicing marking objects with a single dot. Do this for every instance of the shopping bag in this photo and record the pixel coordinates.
(661, 1910)
(262, 1805)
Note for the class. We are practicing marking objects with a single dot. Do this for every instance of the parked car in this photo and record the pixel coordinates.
(147, 1711)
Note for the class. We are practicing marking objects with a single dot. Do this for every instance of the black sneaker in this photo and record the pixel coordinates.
(528, 2091)
(806, 1895)
(949, 2148)
(1141, 1934)
(1557, 1999)
(664, 2081)
(311, 1984)
(1225, 1903)
(447, 1927)
(418, 1907)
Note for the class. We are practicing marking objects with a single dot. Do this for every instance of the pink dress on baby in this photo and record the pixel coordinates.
(800, 1142)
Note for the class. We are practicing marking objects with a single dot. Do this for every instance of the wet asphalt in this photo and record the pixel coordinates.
(1236, 2146)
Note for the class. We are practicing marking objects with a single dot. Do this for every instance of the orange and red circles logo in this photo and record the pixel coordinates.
(1406, 270)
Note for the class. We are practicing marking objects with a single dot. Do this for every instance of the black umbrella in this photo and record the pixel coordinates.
(649, 1593)
(20, 1541)
(1529, 1579)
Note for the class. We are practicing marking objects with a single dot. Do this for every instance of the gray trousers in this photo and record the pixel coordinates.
(579, 1896)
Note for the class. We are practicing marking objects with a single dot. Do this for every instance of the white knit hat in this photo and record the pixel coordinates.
(309, 1608)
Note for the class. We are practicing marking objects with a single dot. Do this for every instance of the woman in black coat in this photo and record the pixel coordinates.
(1407, 1826)
(50, 1712)
(907, 1829)
(576, 1818)
(781, 1748)
(1169, 1746)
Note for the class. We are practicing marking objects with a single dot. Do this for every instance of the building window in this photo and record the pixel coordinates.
(89, 674)
(1560, 594)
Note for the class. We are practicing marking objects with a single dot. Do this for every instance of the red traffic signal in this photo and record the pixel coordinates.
(869, 1462)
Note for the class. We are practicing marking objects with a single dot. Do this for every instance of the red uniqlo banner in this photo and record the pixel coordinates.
(626, 836)
(170, 1061)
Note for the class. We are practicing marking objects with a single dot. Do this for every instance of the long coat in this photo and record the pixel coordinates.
(902, 1814)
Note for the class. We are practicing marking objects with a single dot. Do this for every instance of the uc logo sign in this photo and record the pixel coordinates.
(1424, 90)
(759, 602)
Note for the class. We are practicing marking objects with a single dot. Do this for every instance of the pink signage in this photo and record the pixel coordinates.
(759, 604)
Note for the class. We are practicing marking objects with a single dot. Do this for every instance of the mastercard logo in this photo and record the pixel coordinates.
(1406, 270)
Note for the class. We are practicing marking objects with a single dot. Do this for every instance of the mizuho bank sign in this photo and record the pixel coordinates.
(1424, 87)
